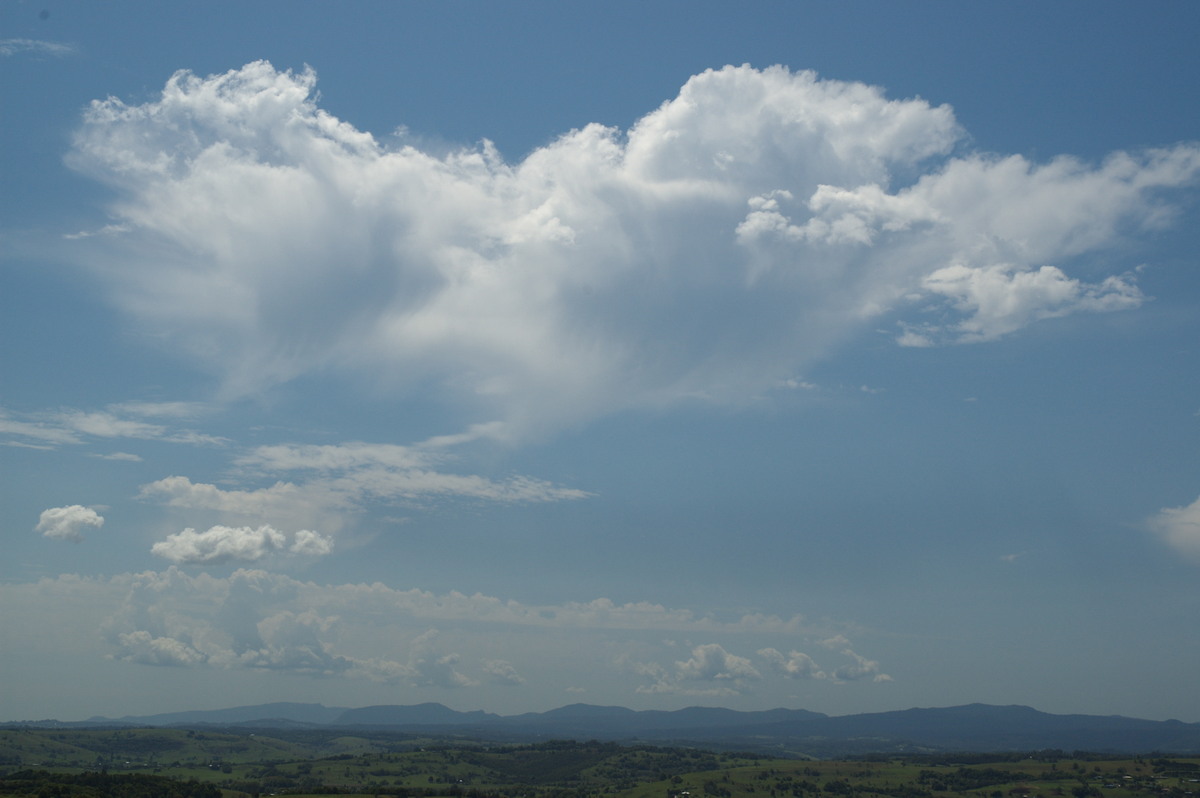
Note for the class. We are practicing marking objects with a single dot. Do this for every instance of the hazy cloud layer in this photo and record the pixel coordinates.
(68, 523)
(729, 238)
(257, 621)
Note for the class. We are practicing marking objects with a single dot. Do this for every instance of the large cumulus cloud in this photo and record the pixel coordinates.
(726, 240)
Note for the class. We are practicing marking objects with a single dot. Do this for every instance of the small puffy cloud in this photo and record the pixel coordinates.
(1180, 528)
(861, 668)
(310, 544)
(711, 670)
(999, 299)
(742, 230)
(501, 671)
(221, 544)
(795, 665)
(140, 646)
(711, 662)
(858, 668)
(68, 523)
(429, 668)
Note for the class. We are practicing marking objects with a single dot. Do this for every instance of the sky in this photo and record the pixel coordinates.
(833, 355)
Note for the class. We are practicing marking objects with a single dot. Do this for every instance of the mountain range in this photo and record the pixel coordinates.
(973, 727)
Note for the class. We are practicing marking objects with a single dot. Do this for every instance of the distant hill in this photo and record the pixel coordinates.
(315, 714)
(974, 727)
(430, 714)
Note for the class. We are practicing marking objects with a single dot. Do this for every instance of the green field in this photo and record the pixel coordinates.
(42, 762)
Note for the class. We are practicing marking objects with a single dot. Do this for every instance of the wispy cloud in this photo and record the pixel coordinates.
(120, 457)
(11, 47)
(328, 485)
(67, 426)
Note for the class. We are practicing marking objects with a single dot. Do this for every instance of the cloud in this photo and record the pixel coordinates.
(738, 233)
(999, 300)
(711, 662)
(161, 409)
(141, 646)
(74, 426)
(245, 621)
(795, 665)
(47, 435)
(356, 471)
(309, 544)
(711, 670)
(283, 502)
(859, 668)
(428, 668)
(501, 671)
(333, 482)
(11, 47)
(119, 456)
(1180, 528)
(222, 544)
(68, 523)
(254, 621)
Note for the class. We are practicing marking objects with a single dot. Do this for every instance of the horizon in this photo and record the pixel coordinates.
(578, 704)
(831, 355)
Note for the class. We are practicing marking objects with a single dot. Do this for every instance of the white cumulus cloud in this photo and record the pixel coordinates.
(68, 523)
(221, 544)
(729, 238)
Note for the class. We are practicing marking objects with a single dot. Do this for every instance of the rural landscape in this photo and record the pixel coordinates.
(537, 399)
(429, 750)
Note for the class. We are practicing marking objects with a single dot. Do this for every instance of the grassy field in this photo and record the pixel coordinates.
(322, 763)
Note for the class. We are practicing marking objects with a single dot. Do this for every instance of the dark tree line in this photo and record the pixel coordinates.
(43, 784)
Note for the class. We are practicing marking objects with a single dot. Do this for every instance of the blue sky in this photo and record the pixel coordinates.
(826, 355)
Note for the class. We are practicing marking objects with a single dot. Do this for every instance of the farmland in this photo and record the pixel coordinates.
(243, 763)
